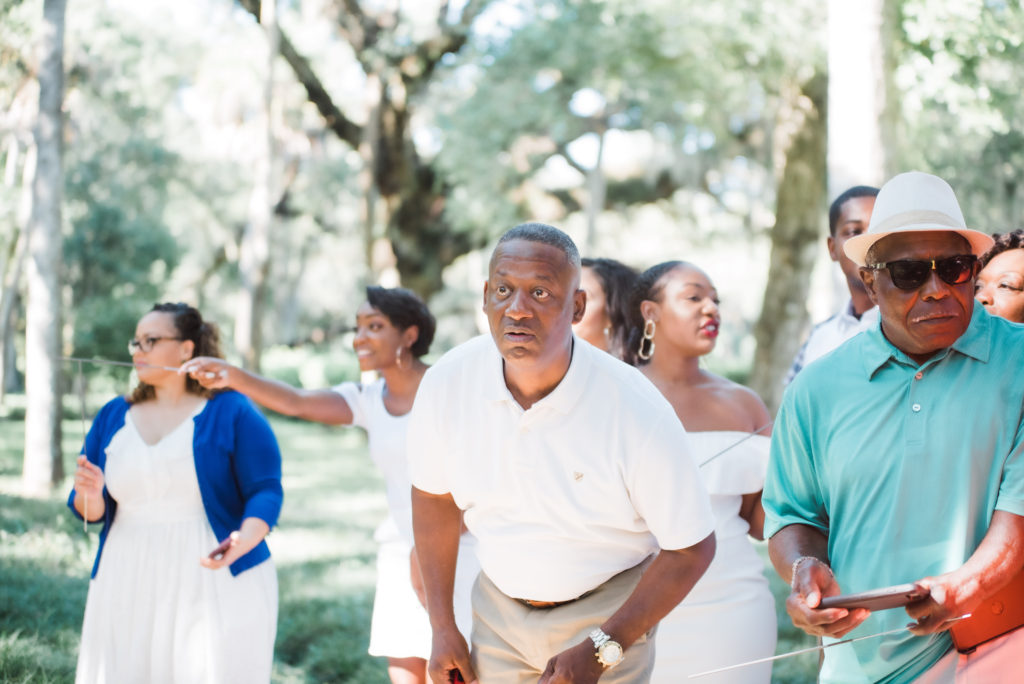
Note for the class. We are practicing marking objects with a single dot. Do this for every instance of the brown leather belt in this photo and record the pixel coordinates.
(552, 604)
(543, 604)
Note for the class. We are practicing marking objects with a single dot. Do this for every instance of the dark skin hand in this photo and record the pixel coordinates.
(437, 525)
(998, 558)
(665, 583)
(812, 582)
(576, 665)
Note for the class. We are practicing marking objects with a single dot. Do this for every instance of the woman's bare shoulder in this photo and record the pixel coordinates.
(741, 399)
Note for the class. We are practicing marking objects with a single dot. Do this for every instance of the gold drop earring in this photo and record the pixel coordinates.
(648, 338)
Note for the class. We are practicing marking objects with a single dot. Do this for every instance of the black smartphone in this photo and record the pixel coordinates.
(877, 599)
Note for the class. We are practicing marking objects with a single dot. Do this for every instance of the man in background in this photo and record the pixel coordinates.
(848, 217)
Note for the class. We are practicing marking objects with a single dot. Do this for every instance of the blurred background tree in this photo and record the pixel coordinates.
(402, 137)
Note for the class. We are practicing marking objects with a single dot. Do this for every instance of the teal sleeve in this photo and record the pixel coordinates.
(1011, 486)
(792, 492)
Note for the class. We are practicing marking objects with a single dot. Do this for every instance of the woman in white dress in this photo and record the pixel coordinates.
(394, 329)
(729, 616)
(172, 471)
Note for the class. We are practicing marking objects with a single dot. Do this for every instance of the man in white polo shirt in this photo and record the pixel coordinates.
(572, 471)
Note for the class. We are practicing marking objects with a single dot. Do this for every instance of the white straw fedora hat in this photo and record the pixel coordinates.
(914, 202)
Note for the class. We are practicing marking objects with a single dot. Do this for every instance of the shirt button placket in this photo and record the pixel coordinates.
(916, 421)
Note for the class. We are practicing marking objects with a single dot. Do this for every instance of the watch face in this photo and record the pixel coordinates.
(611, 653)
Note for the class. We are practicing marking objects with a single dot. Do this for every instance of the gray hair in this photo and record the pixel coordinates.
(547, 235)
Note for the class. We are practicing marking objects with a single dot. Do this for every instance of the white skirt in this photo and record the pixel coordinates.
(155, 615)
(400, 627)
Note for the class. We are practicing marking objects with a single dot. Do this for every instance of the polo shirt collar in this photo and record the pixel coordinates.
(976, 342)
(566, 394)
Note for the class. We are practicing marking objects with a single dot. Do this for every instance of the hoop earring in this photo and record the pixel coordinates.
(398, 357)
(648, 337)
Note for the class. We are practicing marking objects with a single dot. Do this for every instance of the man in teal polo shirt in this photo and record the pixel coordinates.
(899, 457)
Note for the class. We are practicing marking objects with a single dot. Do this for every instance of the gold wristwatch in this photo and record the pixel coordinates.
(609, 652)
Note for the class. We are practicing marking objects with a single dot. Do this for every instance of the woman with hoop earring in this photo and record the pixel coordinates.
(729, 616)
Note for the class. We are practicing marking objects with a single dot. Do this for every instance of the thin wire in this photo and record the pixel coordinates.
(812, 649)
(737, 443)
(104, 362)
(794, 653)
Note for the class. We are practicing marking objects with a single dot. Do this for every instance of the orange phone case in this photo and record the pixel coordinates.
(1000, 613)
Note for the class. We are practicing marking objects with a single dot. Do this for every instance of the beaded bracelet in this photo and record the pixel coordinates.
(796, 564)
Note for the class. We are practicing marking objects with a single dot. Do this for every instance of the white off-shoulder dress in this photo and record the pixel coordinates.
(153, 613)
(399, 627)
(729, 616)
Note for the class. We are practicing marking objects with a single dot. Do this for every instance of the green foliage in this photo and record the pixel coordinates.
(700, 79)
(118, 175)
(960, 72)
(312, 631)
(44, 595)
(16, 36)
(311, 367)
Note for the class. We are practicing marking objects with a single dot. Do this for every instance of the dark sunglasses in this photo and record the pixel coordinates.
(910, 274)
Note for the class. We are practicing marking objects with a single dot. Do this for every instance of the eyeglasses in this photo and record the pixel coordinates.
(146, 344)
(910, 274)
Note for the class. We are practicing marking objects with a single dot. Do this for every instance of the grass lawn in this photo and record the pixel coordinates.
(323, 549)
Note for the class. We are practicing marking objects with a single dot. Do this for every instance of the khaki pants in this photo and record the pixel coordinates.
(512, 643)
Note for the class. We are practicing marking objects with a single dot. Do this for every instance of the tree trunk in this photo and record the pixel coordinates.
(254, 253)
(42, 461)
(367, 181)
(14, 266)
(890, 112)
(598, 191)
(856, 94)
(409, 196)
(798, 218)
(9, 361)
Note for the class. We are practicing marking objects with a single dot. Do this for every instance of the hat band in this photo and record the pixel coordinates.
(918, 217)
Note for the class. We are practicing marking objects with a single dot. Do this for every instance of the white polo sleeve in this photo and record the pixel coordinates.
(666, 488)
(425, 445)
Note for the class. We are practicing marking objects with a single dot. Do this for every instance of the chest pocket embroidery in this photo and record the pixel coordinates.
(577, 475)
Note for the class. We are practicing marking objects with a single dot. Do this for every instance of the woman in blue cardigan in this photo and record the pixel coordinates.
(171, 471)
